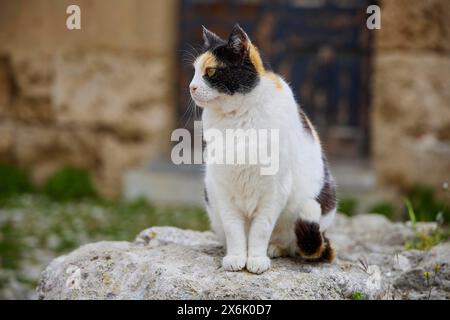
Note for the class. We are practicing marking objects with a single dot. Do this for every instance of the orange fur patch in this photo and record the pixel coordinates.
(255, 58)
(207, 60)
(315, 255)
(276, 79)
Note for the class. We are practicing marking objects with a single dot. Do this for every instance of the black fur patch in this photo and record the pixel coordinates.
(236, 73)
(309, 238)
(327, 195)
(232, 77)
(211, 40)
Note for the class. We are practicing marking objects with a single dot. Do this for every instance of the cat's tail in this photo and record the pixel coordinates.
(312, 243)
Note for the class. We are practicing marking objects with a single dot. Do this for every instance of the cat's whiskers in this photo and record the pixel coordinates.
(188, 58)
(189, 55)
(191, 112)
(187, 113)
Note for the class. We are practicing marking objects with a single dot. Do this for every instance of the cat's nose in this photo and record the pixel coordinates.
(193, 88)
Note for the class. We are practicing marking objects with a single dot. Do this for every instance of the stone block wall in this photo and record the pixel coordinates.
(411, 94)
(98, 98)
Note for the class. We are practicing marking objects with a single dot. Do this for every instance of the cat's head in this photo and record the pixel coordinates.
(226, 68)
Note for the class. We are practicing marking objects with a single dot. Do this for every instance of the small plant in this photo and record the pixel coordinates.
(423, 240)
(347, 206)
(69, 184)
(426, 275)
(14, 181)
(356, 295)
(411, 214)
(431, 279)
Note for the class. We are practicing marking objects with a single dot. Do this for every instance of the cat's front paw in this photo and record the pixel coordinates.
(233, 262)
(258, 264)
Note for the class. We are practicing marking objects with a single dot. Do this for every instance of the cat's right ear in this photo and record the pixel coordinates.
(210, 39)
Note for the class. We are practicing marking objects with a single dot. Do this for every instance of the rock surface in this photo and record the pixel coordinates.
(170, 263)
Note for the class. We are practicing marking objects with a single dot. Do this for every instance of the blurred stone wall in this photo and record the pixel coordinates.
(411, 93)
(98, 98)
(102, 98)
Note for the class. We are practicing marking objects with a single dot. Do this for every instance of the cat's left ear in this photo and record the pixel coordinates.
(239, 41)
(210, 39)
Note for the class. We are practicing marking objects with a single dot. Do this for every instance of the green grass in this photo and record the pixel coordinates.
(426, 205)
(11, 245)
(420, 204)
(68, 184)
(356, 295)
(411, 214)
(384, 208)
(347, 206)
(14, 181)
(423, 240)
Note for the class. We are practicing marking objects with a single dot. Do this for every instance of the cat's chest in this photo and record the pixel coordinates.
(241, 140)
(244, 186)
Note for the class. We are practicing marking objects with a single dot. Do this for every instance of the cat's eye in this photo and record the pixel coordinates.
(210, 71)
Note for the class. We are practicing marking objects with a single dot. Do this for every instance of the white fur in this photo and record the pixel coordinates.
(248, 210)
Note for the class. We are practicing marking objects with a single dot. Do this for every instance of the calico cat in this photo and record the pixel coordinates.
(260, 216)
